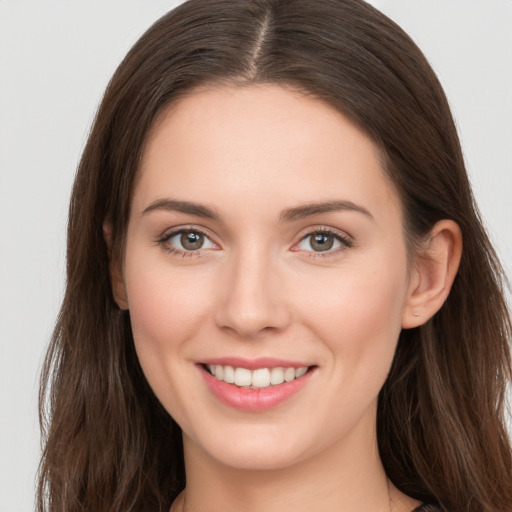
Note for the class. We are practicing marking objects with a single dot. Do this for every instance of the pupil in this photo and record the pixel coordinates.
(191, 240)
(322, 242)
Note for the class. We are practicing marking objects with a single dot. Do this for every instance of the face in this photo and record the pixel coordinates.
(265, 246)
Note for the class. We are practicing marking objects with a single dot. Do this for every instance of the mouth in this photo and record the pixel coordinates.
(259, 378)
(257, 388)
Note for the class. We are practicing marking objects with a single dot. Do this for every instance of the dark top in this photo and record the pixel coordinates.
(428, 508)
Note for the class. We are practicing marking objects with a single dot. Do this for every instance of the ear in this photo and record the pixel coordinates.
(435, 268)
(116, 273)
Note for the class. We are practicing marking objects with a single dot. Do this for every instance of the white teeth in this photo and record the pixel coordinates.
(301, 371)
(277, 376)
(229, 374)
(261, 378)
(289, 374)
(242, 377)
(256, 379)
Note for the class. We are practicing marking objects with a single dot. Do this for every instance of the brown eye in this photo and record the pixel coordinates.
(321, 241)
(191, 240)
(187, 242)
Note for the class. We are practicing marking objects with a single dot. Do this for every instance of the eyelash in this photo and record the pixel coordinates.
(164, 242)
(344, 241)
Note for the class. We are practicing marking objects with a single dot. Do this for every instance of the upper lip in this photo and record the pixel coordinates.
(253, 364)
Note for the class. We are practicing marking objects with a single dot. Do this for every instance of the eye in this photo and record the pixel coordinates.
(323, 241)
(187, 241)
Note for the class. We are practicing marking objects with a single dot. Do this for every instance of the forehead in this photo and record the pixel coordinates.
(257, 142)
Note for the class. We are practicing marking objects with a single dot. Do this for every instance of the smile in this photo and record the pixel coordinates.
(263, 386)
(258, 378)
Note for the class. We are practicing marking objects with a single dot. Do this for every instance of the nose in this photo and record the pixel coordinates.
(253, 296)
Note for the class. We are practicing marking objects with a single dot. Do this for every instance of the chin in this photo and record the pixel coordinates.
(258, 459)
(252, 449)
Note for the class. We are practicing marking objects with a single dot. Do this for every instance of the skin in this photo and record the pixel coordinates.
(258, 288)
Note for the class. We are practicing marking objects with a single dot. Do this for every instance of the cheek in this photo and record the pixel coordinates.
(374, 302)
(156, 310)
(166, 310)
(360, 318)
(165, 304)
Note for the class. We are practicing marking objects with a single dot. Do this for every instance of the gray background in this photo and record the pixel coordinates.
(56, 57)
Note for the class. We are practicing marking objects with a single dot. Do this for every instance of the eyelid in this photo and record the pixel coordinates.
(343, 237)
(170, 233)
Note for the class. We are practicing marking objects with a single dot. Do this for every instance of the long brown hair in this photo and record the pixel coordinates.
(110, 445)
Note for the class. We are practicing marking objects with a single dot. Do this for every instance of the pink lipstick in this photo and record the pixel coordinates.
(254, 385)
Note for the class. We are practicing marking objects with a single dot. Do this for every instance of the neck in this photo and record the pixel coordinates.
(347, 477)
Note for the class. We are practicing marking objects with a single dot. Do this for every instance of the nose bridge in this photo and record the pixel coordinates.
(252, 300)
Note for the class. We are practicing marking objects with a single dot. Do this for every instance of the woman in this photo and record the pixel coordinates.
(279, 291)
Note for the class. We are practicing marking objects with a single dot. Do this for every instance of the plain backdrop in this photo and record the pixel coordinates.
(56, 57)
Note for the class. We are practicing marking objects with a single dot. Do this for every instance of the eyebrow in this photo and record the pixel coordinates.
(187, 207)
(288, 215)
(308, 210)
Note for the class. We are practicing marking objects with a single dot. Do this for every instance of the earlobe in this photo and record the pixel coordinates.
(116, 274)
(435, 268)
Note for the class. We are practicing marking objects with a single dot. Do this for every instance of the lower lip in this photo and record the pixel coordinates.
(254, 400)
